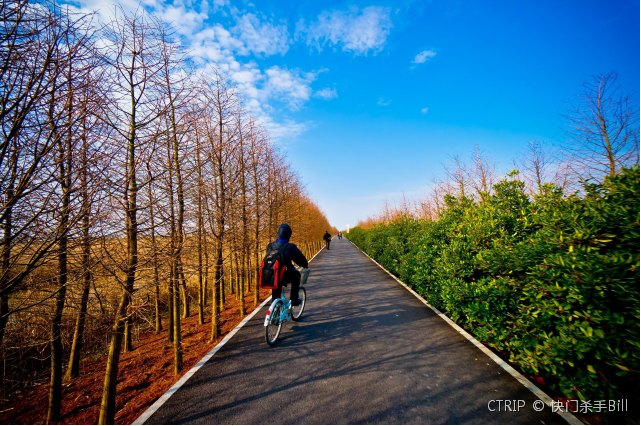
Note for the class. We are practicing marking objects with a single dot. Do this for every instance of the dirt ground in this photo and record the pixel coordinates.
(143, 376)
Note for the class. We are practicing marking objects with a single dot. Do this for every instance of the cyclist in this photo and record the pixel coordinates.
(290, 253)
(327, 239)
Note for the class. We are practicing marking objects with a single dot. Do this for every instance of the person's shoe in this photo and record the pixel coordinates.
(296, 302)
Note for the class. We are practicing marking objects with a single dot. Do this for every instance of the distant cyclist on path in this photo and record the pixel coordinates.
(327, 239)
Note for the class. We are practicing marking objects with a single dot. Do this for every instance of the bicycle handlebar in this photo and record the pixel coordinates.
(304, 273)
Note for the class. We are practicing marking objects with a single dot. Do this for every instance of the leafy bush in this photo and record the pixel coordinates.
(553, 282)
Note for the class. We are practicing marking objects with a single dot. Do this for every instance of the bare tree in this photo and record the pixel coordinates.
(244, 218)
(603, 129)
(154, 250)
(458, 176)
(482, 174)
(219, 135)
(201, 237)
(29, 41)
(76, 346)
(70, 73)
(258, 155)
(134, 61)
(539, 167)
(173, 97)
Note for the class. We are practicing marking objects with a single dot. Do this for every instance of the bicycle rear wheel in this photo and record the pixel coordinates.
(297, 311)
(272, 329)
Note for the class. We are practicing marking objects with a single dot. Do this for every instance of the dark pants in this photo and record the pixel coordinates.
(291, 276)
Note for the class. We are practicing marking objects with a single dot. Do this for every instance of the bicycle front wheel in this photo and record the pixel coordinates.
(297, 311)
(272, 329)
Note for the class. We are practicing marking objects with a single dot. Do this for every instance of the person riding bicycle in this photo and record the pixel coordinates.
(327, 239)
(290, 253)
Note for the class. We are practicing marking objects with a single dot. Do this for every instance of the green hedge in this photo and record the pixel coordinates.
(552, 283)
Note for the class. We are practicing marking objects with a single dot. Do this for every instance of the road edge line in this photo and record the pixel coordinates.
(164, 397)
(160, 401)
(568, 417)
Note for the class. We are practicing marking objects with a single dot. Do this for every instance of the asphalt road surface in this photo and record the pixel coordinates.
(366, 352)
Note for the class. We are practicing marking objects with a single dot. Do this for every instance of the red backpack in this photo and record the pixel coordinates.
(272, 268)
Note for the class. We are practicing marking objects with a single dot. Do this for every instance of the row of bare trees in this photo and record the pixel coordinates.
(132, 188)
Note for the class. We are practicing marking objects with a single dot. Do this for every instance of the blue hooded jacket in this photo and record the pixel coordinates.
(291, 252)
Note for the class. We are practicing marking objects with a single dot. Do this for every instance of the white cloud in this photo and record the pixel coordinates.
(289, 85)
(384, 102)
(356, 31)
(225, 38)
(282, 130)
(424, 56)
(212, 44)
(247, 78)
(185, 21)
(326, 93)
(425, 110)
(261, 38)
(219, 4)
(104, 9)
(229, 42)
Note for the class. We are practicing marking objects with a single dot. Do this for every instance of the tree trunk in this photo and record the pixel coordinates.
(178, 351)
(200, 234)
(244, 243)
(215, 311)
(184, 292)
(108, 404)
(256, 227)
(177, 228)
(129, 346)
(154, 253)
(6, 266)
(206, 277)
(73, 368)
(174, 274)
(54, 413)
(170, 305)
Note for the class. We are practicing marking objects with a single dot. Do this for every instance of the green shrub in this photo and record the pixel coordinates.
(553, 283)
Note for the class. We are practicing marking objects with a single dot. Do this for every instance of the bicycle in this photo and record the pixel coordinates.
(281, 310)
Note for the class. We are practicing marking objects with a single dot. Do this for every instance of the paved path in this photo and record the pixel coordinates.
(366, 352)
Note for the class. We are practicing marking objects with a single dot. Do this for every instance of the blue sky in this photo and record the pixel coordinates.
(370, 99)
